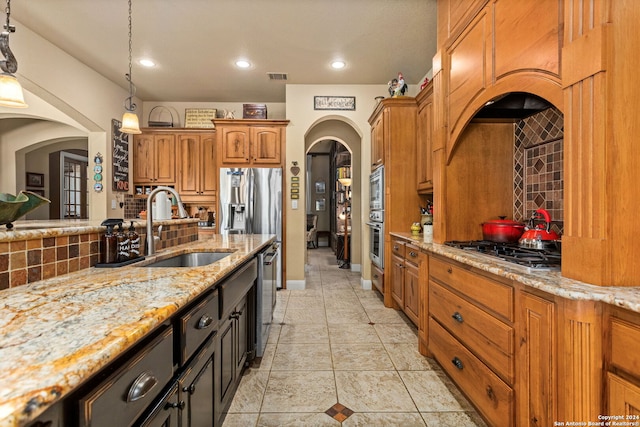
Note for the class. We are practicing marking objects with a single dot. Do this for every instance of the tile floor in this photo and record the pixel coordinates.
(336, 356)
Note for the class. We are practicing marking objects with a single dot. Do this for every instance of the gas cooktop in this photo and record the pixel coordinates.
(535, 259)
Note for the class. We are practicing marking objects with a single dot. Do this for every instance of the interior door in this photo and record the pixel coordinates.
(73, 192)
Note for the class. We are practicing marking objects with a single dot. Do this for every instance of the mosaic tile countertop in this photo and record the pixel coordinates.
(25, 230)
(551, 282)
(56, 333)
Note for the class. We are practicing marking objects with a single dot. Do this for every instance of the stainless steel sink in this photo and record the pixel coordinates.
(192, 259)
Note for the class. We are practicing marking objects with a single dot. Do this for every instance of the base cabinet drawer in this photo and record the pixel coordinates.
(488, 337)
(491, 396)
(121, 398)
(625, 336)
(495, 296)
(197, 325)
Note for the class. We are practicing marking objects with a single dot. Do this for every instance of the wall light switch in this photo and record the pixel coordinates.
(113, 204)
(294, 204)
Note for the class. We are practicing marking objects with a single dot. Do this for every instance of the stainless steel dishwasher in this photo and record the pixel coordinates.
(268, 275)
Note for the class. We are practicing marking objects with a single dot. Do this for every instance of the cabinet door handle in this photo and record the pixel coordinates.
(395, 247)
(204, 322)
(449, 270)
(457, 363)
(141, 386)
(375, 276)
(457, 317)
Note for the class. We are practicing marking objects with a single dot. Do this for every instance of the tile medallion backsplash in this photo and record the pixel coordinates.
(537, 167)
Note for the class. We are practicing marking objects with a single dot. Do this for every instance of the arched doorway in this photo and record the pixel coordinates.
(343, 133)
(328, 200)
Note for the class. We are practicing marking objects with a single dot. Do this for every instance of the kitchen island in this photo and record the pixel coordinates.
(59, 332)
(525, 346)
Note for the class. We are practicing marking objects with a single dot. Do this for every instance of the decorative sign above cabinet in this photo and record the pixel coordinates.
(334, 103)
(199, 117)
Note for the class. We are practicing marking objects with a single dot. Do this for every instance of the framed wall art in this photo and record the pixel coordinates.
(334, 103)
(35, 179)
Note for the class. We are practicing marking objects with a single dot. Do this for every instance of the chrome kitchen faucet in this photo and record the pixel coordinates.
(151, 246)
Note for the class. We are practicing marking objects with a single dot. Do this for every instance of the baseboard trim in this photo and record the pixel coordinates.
(296, 285)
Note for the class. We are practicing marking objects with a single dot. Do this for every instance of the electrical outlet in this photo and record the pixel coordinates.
(294, 204)
(113, 204)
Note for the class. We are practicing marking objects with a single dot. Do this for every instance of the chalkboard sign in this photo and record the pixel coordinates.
(120, 158)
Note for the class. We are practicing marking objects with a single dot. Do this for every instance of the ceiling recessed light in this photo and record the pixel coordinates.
(338, 65)
(145, 62)
(242, 63)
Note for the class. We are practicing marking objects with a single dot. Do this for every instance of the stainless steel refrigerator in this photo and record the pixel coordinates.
(251, 203)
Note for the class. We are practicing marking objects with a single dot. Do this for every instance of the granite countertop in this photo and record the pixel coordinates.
(551, 282)
(34, 229)
(58, 332)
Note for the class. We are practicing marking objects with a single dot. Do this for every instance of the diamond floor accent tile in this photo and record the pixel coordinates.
(339, 412)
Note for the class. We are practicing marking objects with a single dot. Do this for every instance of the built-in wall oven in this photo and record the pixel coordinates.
(376, 217)
(376, 190)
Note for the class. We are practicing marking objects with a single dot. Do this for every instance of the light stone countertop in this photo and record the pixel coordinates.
(35, 229)
(551, 282)
(56, 333)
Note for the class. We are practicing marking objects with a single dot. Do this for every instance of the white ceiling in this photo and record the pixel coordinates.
(196, 42)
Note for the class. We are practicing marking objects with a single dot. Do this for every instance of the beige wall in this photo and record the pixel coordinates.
(275, 110)
(300, 136)
(62, 90)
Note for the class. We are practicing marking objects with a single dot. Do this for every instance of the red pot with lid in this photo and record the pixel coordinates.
(502, 230)
(538, 235)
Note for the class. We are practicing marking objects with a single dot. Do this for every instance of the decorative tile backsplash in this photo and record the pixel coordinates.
(537, 166)
(28, 261)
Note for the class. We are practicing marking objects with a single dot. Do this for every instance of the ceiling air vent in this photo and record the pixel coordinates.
(277, 76)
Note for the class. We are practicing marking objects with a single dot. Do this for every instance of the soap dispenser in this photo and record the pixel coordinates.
(123, 244)
(108, 250)
(134, 242)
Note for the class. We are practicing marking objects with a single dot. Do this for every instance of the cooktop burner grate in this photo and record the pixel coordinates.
(537, 259)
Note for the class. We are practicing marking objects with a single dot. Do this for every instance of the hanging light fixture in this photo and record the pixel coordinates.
(130, 123)
(11, 94)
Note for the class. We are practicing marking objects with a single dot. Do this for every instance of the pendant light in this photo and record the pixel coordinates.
(130, 123)
(11, 94)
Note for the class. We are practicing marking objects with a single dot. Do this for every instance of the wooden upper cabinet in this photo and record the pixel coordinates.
(197, 165)
(251, 142)
(424, 140)
(377, 142)
(154, 158)
(266, 145)
(235, 146)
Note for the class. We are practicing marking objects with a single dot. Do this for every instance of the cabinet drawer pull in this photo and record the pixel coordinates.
(395, 247)
(375, 276)
(457, 363)
(449, 270)
(413, 254)
(490, 393)
(141, 386)
(457, 317)
(175, 405)
(204, 322)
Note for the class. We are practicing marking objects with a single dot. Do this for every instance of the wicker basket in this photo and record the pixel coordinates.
(160, 123)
